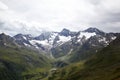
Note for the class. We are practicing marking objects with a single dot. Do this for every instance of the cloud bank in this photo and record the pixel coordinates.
(34, 16)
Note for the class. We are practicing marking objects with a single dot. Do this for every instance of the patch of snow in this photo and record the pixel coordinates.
(102, 39)
(51, 39)
(86, 34)
(5, 44)
(79, 40)
(34, 42)
(26, 44)
(36, 47)
(70, 51)
(24, 38)
(64, 38)
(113, 38)
(44, 43)
(107, 42)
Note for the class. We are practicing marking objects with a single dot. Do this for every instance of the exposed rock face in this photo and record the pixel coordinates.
(61, 43)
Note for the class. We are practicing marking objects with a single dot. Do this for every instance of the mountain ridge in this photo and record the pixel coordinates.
(33, 57)
(58, 44)
(104, 65)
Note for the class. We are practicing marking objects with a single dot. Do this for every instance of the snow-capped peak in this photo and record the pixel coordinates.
(86, 34)
(91, 30)
(49, 40)
(64, 32)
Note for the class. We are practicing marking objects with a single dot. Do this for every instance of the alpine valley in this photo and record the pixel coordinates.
(90, 54)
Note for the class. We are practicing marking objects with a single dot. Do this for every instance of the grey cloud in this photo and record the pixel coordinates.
(58, 14)
(3, 6)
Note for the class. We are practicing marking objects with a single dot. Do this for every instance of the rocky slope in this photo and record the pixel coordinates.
(104, 65)
(17, 62)
(24, 57)
(60, 44)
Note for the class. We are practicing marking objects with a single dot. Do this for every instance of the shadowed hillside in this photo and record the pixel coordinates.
(105, 65)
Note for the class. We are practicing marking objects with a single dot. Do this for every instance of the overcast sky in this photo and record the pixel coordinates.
(34, 16)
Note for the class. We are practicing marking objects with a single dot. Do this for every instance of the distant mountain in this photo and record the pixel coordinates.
(66, 42)
(91, 30)
(25, 57)
(83, 44)
(104, 65)
(23, 39)
(17, 61)
(6, 40)
(66, 32)
(91, 46)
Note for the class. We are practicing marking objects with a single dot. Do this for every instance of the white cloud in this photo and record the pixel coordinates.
(33, 16)
(3, 6)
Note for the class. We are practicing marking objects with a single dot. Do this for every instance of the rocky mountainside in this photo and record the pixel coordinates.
(17, 62)
(66, 42)
(104, 65)
(24, 57)
(65, 45)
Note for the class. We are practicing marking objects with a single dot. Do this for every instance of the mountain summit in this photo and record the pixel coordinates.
(33, 57)
(65, 32)
(63, 43)
(91, 30)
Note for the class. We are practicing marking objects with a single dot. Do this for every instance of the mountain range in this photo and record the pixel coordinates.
(62, 45)
(104, 65)
(66, 42)
(27, 57)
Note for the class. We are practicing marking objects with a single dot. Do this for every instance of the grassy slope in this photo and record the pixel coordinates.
(105, 65)
(16, 63)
